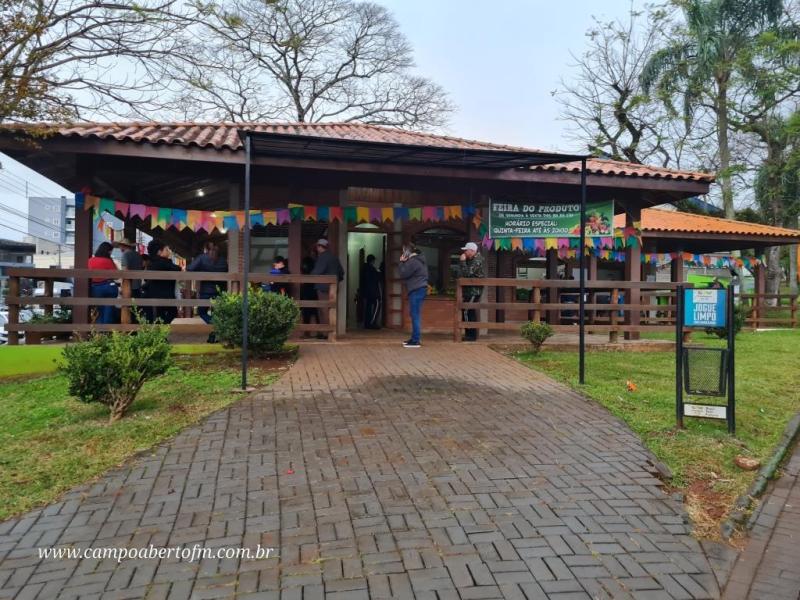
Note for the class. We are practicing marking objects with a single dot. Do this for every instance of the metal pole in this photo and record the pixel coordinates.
(582, 290)
(246, 259)
(679, 356)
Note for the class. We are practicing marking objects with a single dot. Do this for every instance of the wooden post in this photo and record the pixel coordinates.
(613, 336)
(633, 271)
(537, 299)
(13, 310)
(793, 310)
(761, 289)
(48, 293)
(591, 272)
(332, 311)
(457, 316)
(553, 294)
(295, 252)
(84, 233)
(125, 311)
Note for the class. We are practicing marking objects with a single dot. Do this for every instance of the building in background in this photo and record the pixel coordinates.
(51, 227)
(13, 254)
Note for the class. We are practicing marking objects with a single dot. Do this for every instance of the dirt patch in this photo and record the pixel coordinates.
(707, 507)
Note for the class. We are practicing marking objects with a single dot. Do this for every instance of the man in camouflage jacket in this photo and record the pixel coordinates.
(471, 265)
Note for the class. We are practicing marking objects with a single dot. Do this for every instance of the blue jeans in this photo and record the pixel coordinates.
(203, 311)
(415, 299)
(105, 289)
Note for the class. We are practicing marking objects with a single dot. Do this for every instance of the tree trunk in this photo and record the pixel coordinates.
(724, 149)
(773, 273)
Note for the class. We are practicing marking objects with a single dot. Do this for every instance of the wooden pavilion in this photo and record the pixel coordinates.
(329, 168)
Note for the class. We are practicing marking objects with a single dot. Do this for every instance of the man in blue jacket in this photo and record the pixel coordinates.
(414, 273)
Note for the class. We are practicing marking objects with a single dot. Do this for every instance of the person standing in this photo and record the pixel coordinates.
(371, 293)
(327, 264)
(160, 254)
(414, 273)
(471, 266)
(210, 261)
(103, 287)
(279, 267)
(131, 260)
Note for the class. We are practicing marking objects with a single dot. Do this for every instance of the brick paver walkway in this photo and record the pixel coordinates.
(444, 472)
(769, 567)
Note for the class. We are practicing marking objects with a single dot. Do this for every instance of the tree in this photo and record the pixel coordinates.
(60, 59)
(304, 60)
(700, 63)
(605, 102)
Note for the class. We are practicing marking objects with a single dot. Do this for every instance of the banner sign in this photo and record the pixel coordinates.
(704, 308)
(515, 219)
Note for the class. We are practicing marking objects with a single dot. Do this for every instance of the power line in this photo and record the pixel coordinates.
(19, 213)
(22, 182)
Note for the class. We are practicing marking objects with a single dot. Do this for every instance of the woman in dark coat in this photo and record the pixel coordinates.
(159, 254)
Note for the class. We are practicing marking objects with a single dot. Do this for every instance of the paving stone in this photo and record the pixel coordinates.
(414, 475)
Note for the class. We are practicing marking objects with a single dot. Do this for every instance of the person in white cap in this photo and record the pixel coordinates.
(327, 264)
(471, 266)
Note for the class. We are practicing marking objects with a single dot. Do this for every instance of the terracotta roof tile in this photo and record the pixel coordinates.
(658, 219)
(224, 136)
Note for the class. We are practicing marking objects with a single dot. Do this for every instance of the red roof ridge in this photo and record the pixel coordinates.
(224, 137)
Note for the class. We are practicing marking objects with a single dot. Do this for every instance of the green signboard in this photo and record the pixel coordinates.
(525, 219)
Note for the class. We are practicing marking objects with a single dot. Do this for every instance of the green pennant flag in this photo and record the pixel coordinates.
(296, 213)
(415, 214)
(105, 205)
(350, 214)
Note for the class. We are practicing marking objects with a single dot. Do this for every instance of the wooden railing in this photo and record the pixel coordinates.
(783, 313)
(611, 307)
(125, 302)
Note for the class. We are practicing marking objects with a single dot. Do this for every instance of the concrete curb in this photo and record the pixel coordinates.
(738, 515)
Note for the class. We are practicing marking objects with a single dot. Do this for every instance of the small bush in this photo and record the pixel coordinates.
(272, 318)
(111, 369)
(536, 334)
(740, 312)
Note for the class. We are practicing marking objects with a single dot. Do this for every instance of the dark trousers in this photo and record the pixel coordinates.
(471, 315)
(372, 313)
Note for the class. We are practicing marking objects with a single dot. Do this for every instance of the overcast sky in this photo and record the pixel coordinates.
(500, 61)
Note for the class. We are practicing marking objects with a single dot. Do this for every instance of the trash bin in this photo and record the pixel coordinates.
(705, 370)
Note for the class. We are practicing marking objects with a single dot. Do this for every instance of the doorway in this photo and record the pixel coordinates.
(368, 239)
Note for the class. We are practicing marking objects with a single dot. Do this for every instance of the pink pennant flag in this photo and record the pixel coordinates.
(152, 212)
(428, 213)
(121, 208)
(137, 210)
(375, 215)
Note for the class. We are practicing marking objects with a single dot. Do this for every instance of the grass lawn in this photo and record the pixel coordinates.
(37, 359)
(50, 442)
(700, 456)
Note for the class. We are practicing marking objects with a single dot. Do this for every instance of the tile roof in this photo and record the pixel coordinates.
(659, 219)
(224, 136)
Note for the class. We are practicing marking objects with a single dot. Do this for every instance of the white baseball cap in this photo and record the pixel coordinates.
(471, 246)
(322, 242)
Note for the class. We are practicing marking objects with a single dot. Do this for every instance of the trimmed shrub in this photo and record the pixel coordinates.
(740, 313)
(111, 369)
(536, 334)
(271, 321)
